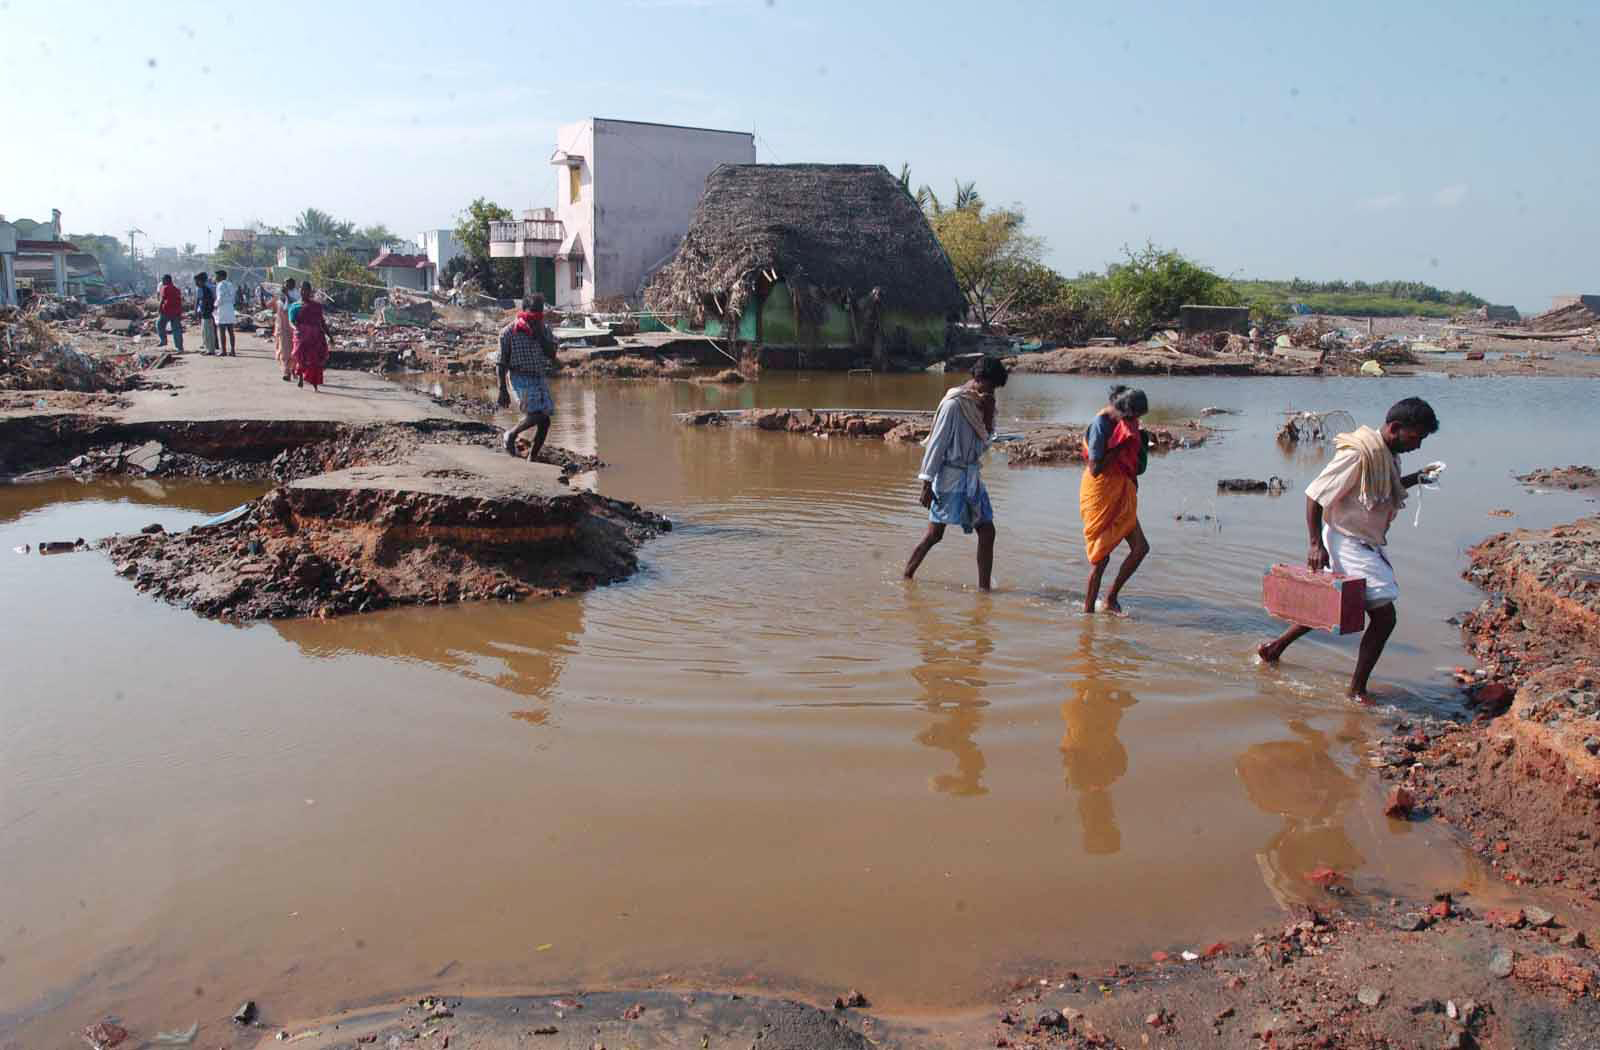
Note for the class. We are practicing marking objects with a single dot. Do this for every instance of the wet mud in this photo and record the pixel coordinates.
(439, 524)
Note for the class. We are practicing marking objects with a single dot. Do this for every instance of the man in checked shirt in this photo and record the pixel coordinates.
(526, 350)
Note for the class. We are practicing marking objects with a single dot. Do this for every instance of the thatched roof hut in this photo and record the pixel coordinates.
(832, 232)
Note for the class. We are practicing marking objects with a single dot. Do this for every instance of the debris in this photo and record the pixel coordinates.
(104, 1035)
(1372, 368)
(1538, 916)
(246, 1012)
(633, 1012)
(1411, 922)
(1052, 1019)
(1400, 804)
(1315, 427)
(854, 1000)
(61, 546)
(548, 1029)
(1369, 996)
(183, 1038)
(1273, 484)
(1502, 962)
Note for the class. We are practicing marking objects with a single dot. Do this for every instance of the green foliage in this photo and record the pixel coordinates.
(501, 278)
(314, 222)
(345, 280)
(241, 256)
(1363, 298)
(1149, 286)
(378, 234)
(985, 248)
(110, 253)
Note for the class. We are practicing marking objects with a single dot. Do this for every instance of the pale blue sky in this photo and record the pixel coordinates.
(1447, 142)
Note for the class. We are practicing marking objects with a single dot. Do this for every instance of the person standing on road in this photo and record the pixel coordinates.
(205, 308)
(952, 487)
(527, 349)
(282, 330)
(1349, 508)
(1115, 450)
(171, 314)
(227, 298)
(311, 337)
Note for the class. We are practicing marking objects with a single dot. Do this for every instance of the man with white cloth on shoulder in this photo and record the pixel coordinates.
(952, 487)
(1349, 508)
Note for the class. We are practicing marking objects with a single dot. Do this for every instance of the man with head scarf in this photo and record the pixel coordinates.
(527, 349)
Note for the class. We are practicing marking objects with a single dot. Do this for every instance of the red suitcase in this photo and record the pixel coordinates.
(1323, 600)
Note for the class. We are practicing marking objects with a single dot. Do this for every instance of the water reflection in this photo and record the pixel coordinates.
(521, 648)
(1092, 755)
(1300, 781)
(951, 677)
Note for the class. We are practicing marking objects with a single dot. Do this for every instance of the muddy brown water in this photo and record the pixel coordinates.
(765, 760)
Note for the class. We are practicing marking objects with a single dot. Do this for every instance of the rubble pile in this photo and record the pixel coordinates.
(1064, 444)
(34, 356)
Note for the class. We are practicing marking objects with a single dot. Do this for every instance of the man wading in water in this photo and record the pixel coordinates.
(1349, 508)
(952, 489)
(526, 350)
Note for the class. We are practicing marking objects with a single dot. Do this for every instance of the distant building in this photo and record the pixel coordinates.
(440, 246)
(403, 271)
(33, 256)
(820, 264)
(625, 191)
(1561, 302)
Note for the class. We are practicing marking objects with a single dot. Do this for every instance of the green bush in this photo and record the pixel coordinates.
(343, 279)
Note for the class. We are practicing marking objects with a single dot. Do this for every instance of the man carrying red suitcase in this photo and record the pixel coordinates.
(1349, 508)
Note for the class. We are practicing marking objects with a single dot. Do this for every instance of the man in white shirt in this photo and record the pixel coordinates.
(227, 338)
(1349, 508)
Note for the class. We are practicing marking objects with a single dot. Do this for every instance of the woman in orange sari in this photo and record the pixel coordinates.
(1114, 451)
(282, 331)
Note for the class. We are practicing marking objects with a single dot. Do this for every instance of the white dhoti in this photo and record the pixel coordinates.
(1349, 556)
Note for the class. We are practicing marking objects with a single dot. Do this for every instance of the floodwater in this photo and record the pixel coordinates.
(766, 760)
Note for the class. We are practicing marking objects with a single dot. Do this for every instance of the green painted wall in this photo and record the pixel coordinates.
(780, 326)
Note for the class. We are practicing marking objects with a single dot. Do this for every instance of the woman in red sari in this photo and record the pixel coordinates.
(310, 338)
(1114, 450)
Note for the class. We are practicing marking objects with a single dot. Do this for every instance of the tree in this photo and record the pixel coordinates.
(314, 222)
(983, 247)
(1151, 284)
(377, 233)
(501, 278)
(189, 249)
(345, 280)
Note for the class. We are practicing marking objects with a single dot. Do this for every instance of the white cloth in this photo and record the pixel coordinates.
(226, 293)
(1349, 556)
(954, 451)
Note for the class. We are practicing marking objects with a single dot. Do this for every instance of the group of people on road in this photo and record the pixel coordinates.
(1349, 507)
(301, 336)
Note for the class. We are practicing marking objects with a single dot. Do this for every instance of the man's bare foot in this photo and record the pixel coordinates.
(1267, 653)
(1110, 605)
(508, 442)
(1362, 697)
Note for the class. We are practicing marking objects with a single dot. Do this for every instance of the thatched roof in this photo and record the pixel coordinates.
(830, 231)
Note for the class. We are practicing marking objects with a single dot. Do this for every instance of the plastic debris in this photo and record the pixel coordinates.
(183, 1038)
(1372, 368)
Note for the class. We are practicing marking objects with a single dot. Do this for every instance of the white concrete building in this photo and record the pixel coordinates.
(625, 192)
(440, 246)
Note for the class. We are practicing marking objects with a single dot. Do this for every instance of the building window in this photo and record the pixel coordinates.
(574, 183)
(577, 272)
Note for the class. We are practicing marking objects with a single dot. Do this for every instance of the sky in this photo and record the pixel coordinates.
(1444, 142)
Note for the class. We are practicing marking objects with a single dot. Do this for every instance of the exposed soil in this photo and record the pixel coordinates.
(1141, 361)
(1574, 477)
(1064, 444)
(428, 530)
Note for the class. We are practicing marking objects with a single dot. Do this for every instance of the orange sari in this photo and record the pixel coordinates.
(1109, 503)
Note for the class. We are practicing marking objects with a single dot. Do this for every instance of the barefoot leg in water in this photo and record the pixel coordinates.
(1271, 651)
(1381, 622)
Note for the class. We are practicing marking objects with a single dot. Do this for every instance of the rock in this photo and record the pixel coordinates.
(1157, 1019)
(1509, 918)
(1223, 1014)
(1501, 962)
(1440, 910)
(1537, 916)
(1052, 1019)
(854, 1000)
(1216, 949)
(1592, 745)
(1369, 996)
(152, 529)
(1410, 922)
(246, 1012)
(1159, 957)
(1401, 803)
(147, 457)
(1571, 939)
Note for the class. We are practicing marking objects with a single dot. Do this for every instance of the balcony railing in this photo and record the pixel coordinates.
(526, 230)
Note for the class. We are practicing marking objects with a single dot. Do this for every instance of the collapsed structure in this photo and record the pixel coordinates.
(819, 264)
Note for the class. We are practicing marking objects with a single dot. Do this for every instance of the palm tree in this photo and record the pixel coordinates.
(967, 196)
(313, 222)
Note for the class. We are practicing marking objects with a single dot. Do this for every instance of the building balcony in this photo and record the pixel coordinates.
(525, 238)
